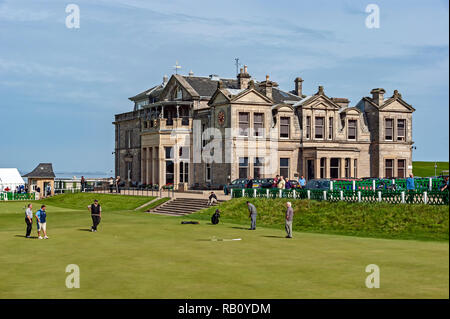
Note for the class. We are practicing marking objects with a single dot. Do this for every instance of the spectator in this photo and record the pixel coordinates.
(302, 182)
(287, 184)
(117, 184)
(289, 218)
(252, 215)
(49, 190)
(111, 184)
(212, 199)
(281, 183)
(410, 188)
(275, 181)
(446, 182)
(410, 183)
(83, 183)
(249, 182)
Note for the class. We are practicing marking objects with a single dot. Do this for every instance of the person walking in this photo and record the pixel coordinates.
(212, 199)
(410, 187)
(117, 184)
(289, 218)
(29, 220)
(111, 184)
(96, 214)
(252, 215)
(49, 190)
(41, 216)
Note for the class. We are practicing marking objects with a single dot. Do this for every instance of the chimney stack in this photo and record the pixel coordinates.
(378, 96)
(165, 80)
(243, 78)
(298, 86)
(266, 87)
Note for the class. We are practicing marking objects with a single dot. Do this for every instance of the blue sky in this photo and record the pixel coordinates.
(60, 87)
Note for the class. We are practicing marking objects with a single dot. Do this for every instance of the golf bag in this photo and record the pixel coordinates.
(215, 218)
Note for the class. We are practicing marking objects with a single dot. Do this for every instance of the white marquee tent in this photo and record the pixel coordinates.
(10, 178)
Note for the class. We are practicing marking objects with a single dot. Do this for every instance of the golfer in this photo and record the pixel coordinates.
(96, 214)
(252, 215)
(29, 220)
(41, 216)
(289, 218)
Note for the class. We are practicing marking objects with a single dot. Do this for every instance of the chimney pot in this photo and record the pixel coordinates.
(245, 69)
(299, 86)
(378, 96)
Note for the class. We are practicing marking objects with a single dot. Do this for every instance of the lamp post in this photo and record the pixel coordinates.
(435, 167)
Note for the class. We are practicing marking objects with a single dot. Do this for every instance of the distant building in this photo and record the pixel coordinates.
(316, 135)
(41, 177)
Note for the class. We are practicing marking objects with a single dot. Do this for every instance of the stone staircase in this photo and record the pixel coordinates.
(181, 206)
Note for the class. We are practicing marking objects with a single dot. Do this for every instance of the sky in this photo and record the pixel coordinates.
(60, 87)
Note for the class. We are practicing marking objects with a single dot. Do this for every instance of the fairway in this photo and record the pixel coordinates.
(139, 255)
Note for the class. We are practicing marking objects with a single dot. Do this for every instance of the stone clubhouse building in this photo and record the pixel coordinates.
(176, 127)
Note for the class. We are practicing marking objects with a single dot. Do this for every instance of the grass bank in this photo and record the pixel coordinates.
(425, 169)
(107, 201)
(379, 220)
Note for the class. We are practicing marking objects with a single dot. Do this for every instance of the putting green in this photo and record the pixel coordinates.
(138, 255)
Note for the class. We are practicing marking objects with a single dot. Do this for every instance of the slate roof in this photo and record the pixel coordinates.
(205, 87)
(43, 170)
(152, 92)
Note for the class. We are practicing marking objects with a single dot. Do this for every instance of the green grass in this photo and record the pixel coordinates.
(138, 255)
(425, 169)
(379, 220)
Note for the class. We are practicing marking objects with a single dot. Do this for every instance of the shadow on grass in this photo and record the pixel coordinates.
(237, 227)
(270, 236)
(23, 236)
(85, 229)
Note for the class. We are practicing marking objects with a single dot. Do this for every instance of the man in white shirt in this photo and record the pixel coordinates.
(29, 220)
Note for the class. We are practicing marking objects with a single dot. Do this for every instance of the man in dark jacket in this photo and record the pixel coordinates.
(96, 214)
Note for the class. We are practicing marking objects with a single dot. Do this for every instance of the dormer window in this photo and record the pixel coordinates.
(352, 129)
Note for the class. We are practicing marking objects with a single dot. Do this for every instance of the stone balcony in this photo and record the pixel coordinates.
(162, 124)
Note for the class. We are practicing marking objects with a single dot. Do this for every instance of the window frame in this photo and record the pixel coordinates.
(390, 167)
(242, 166)
(355, 128)
(401, 138)
(288, 167)
(241, 122)
(288, 127)
(390, 120)
(255, 129)
(321, 127)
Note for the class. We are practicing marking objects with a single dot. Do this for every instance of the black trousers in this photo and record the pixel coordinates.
(95, 221)
(29, 226)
